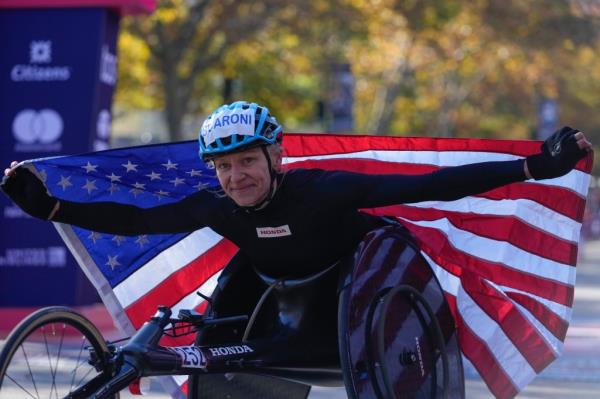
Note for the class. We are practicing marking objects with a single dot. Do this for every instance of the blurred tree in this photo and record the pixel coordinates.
(197, 45)
(187, 38)
(439, 67)
(136, 80)
(467, 66)
(286, 66)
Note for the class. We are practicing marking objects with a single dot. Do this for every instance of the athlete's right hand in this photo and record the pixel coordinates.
(27, 191)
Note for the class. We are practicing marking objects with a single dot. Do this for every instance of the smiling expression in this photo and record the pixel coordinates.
(244, 176)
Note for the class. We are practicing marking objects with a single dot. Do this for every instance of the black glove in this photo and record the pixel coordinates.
(559, 155)
(29, 193)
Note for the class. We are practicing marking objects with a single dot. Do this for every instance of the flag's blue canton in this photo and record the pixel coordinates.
(143, 176)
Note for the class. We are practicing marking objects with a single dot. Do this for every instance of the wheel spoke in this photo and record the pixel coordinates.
(21, 386)
(83, 378)
(53, 333)
(48, 351)
(29, 369)
(77, 363)
(62, 337)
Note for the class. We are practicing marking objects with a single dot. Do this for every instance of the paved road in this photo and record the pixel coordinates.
(575, 375)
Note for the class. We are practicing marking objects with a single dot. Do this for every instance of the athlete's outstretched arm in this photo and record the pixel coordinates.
(368, 191)
(558, 156)
(27, 191)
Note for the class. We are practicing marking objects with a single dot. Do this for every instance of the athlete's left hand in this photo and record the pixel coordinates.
(560, 153)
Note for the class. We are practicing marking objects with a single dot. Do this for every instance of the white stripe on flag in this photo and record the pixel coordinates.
(562, 311)
(506, 354)
(164, 265)
(449, 282)
(554, 343)
(502, 252)
(530, 212)
(575, 180)
(193, 299)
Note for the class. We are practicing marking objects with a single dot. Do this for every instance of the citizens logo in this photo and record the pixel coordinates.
(40, 53)
(37, 131)
(267, 232)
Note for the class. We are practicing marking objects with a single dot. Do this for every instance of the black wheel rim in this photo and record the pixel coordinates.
(49, 358)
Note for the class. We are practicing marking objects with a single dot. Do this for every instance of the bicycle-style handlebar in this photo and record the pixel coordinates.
(142, 356)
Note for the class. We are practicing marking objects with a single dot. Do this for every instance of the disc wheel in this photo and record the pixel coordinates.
(47, 355)
(405, 346)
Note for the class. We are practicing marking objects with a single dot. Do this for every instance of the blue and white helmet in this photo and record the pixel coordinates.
(235, 127)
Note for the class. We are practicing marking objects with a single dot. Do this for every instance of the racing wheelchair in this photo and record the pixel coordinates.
(376, 322)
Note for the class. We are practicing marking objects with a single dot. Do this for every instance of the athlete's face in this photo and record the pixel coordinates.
(245, 175)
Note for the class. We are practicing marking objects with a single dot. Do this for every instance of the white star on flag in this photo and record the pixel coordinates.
(113, 262)
(113, 187)
(169, 165)
(177, 181)
(201, 186)
(160, 193)
(130, 166)
(90, 168)
(154, 176)
(137, 189)
(118, 240)
(113, 178)
(194, 172)
(64, 182)
(143, 239)
(90, 185)
(94, 236)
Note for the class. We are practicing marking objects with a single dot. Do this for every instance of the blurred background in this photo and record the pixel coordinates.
(503, 69)
(484, 68)
(506, 69)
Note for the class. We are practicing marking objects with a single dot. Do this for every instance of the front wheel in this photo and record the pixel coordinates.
(47, 355)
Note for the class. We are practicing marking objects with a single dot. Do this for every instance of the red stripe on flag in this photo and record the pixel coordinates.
(300, 145)
(517, 327)
(482, 358)
(555, 324)
(181, 283)
(561, 200)
(436, 245)
(500, 228)
(305, 145)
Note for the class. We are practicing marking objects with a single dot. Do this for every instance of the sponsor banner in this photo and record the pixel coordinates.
(58, 71)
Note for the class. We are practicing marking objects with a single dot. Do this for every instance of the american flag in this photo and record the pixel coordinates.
(505, 258)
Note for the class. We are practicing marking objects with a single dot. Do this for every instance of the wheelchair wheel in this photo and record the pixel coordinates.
(47, 355)
(418, 372)
(397, 334)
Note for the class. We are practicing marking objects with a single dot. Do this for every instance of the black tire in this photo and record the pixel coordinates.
(46, 355)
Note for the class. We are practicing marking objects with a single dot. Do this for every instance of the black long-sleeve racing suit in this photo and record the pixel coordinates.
(312, 220)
